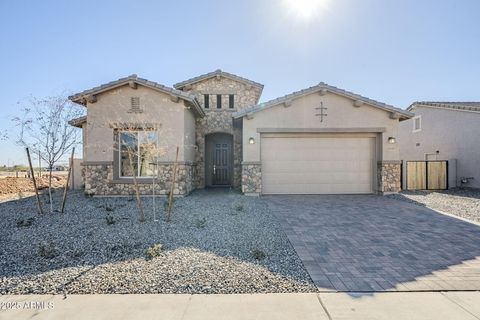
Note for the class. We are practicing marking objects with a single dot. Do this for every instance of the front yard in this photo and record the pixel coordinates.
(217, 242)
(463, 203)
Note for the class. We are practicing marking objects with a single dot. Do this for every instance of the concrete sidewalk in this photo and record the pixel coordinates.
(393, 305)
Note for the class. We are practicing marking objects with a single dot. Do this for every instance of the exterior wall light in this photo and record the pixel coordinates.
(251, 140)
(392, 140)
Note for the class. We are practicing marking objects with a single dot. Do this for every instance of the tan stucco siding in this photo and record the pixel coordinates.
(341, 114)
(113, 107)
(189, 143)
(453, 133)
(84, 140)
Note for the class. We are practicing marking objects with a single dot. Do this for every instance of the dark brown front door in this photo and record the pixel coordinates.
(218, 160)
(221, 164)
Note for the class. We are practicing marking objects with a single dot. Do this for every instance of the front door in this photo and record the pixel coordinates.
(221, 174)
(218, 160)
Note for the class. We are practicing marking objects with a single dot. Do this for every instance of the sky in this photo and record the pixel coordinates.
(396, 52)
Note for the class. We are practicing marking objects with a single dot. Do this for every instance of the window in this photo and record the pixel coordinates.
(231, 101)
(219, 101)
(137, 153)
(417, 124)
(206, 101)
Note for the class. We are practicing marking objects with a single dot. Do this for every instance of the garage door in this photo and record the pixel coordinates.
(316, 164)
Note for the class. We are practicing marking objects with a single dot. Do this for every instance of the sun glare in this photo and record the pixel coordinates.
(305, 9)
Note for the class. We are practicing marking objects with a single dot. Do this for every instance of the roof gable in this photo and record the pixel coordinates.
(324, 88)
(217, 73)
(460, 106)
(133, 80)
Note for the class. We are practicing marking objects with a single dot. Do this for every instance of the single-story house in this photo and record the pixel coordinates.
(444, 131)
(320, 140)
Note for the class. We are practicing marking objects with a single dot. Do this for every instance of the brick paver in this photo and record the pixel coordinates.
(375, 243)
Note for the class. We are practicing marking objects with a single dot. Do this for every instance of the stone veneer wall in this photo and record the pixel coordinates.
(389, 176)
(252, 178)
(220, 120)
(99, 180)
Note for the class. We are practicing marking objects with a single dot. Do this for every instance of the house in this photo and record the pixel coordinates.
(319, 140)
(445, 131)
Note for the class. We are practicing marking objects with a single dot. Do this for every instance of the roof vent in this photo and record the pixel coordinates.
(135, 105)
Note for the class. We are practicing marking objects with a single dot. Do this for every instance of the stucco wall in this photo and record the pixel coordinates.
(112, 107)
(455, 134)
(189, 142)
(340, 114)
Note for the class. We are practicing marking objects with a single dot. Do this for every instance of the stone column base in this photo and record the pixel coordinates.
(389, 176)
(252, 178)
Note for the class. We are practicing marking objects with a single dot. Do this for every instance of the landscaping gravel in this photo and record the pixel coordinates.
(218, 241)
(461, 202)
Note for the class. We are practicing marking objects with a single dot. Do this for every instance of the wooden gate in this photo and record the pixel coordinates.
(427, 175)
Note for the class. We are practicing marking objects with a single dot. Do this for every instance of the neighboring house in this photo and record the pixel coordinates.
(318, 140)
(445, 131)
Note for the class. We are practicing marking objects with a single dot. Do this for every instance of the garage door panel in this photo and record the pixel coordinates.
(316, 165)
(321, 178)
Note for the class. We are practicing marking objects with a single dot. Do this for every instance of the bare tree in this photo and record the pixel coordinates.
(45, 130)
(139, 149)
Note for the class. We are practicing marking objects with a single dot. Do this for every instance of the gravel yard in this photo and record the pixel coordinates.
(464, 203)
(217, 242)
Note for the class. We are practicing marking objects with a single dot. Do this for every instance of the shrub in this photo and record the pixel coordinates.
(109, 208)
(258, 254)
(239, 207)
(200, 222)
(153, 251)
(77, 254)
(25, 223)
(110, 220)
(47, 250)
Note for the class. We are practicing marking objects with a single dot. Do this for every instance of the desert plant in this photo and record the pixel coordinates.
(153, 251)
(109, 208)
(47, 250)
(258, 254)
(77, 254)
(239, 207)
(110, 220)
(25, 222)
(200, 222)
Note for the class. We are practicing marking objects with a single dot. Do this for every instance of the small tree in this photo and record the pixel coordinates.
(141, 152)
(45, 130)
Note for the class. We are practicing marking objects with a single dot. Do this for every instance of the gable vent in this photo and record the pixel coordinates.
(135, 105)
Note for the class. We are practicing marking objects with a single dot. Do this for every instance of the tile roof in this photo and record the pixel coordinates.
(328, 88)
(81, 96)
(464, 106)
(215, 73)
(77, 122)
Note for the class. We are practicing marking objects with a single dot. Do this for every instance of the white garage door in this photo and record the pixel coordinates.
(316, 164)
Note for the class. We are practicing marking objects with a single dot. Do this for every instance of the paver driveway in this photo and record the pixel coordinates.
(375, 243)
